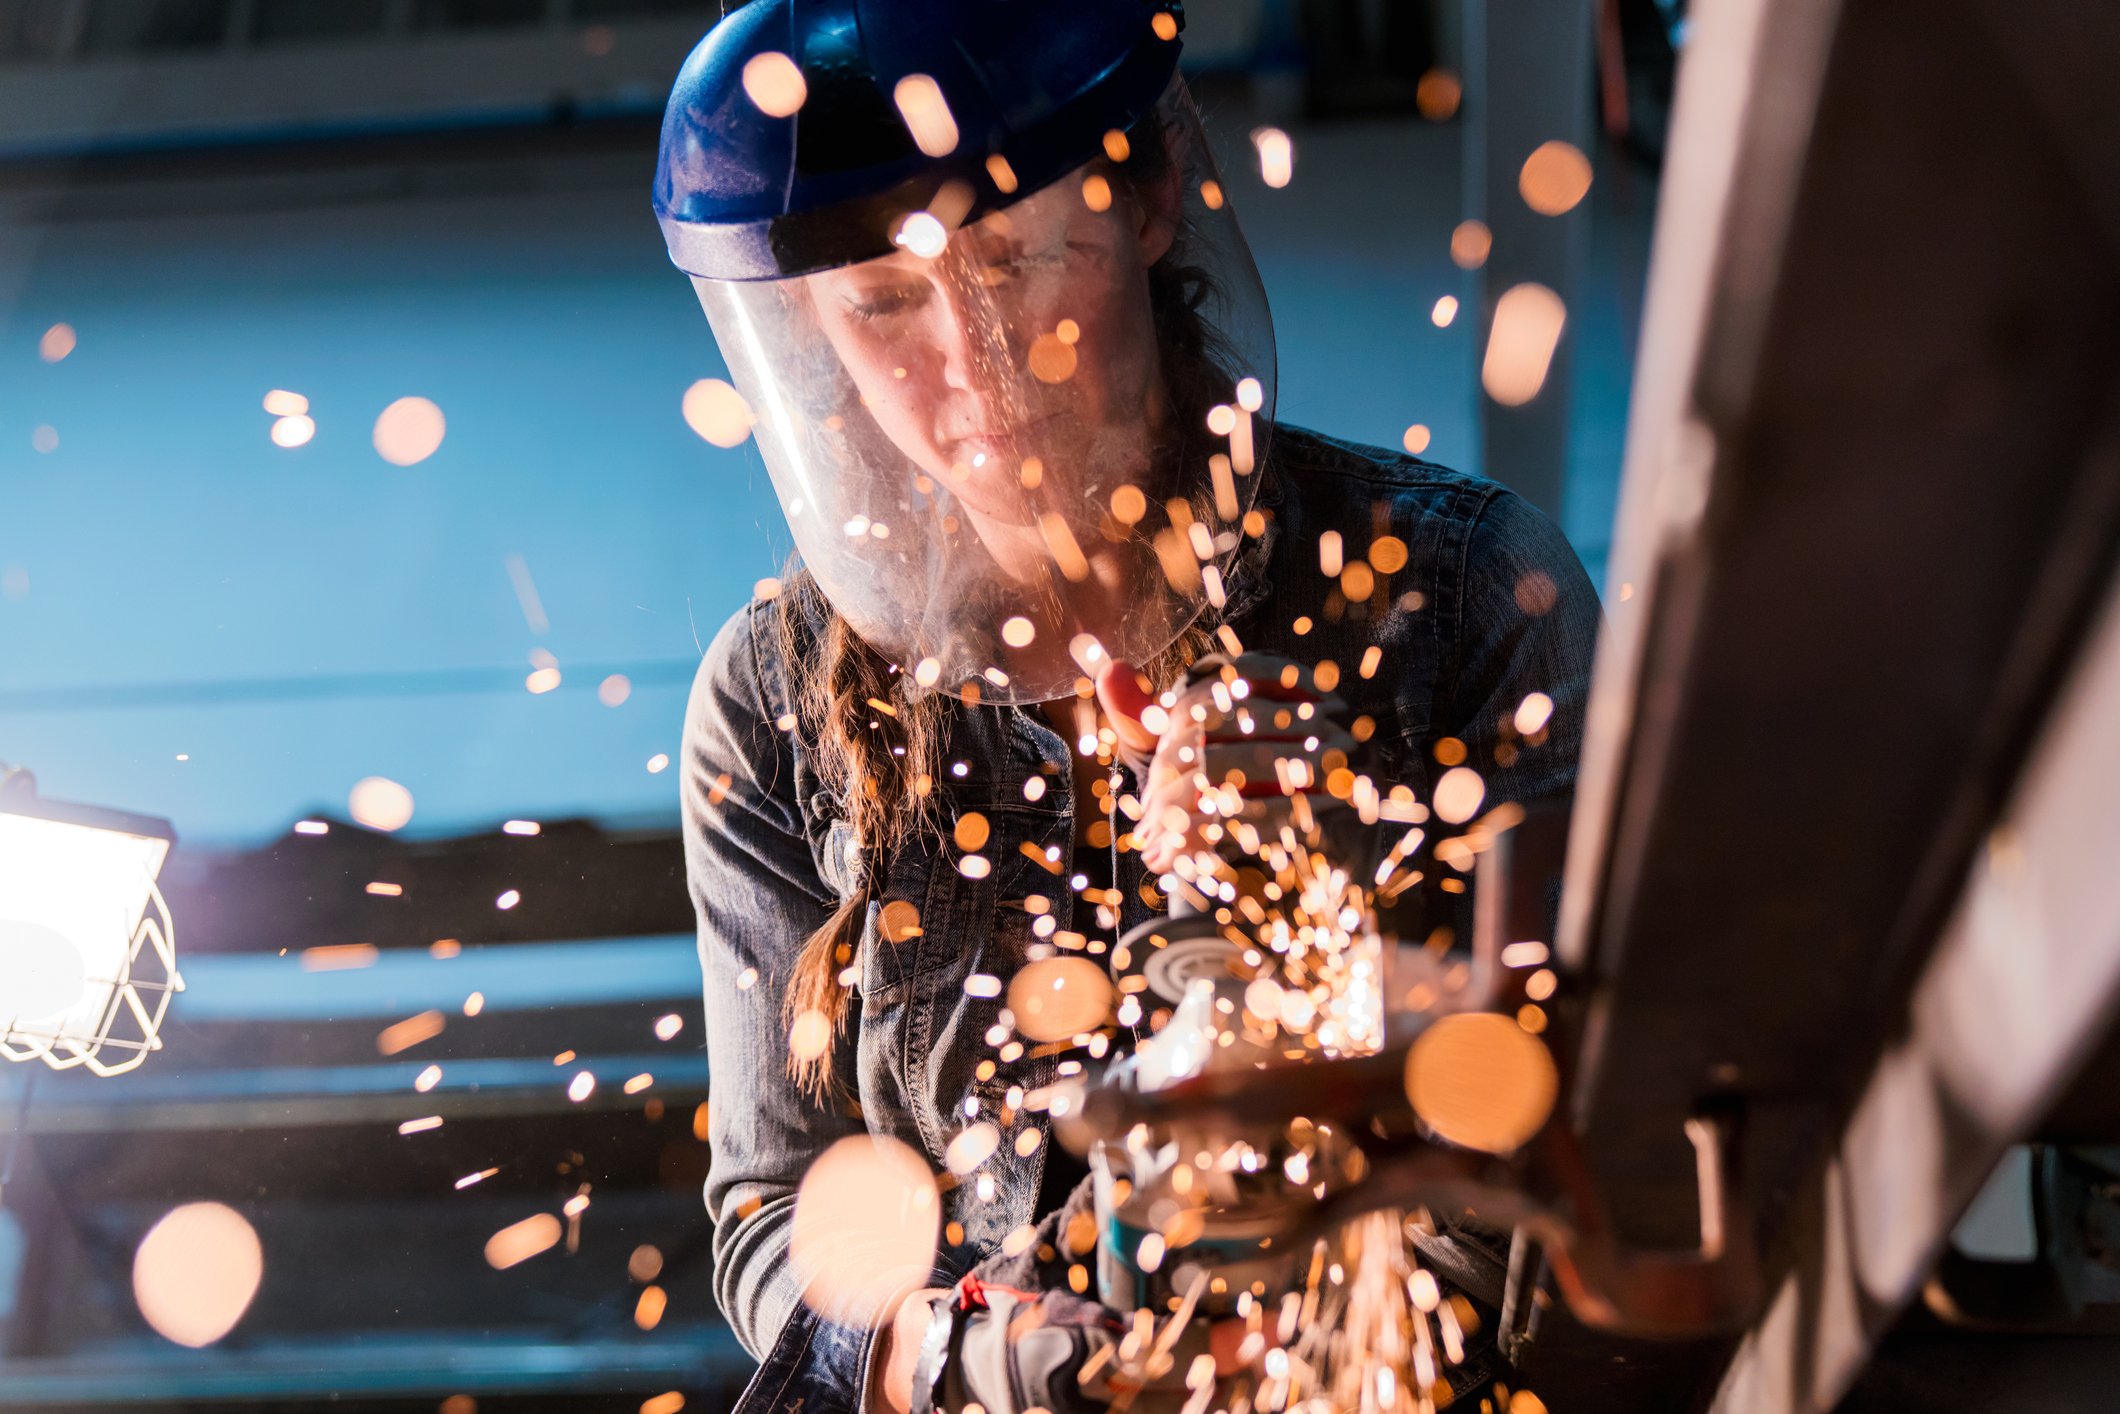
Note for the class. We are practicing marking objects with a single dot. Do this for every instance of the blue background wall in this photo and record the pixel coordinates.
(294, 619)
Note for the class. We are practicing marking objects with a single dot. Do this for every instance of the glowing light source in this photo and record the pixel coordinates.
(293, 431)
(521, 827)
(196, 1272)
(1445, 310)
(1528, 319)
(773, 82)
(87, 952)
(658, 763)
(927, 116)
(668, 1026)
(281, 403)
(717, 412)
(614, 690)
(57, 343)
(509, 899)
(1416, 439)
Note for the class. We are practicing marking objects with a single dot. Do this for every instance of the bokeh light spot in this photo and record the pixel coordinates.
(409, 431)
(866, 1219)
(1480, 1080)
(196, 1272)
(1554, 178)
(1528, 319)
(717, 412)
(774, 84)
(380, 803)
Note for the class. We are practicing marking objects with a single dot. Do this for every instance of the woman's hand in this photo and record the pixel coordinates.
(1261, 715)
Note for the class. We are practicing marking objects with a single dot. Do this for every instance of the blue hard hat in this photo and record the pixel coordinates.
(1036, 84)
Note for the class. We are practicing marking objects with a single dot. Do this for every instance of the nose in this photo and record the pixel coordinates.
(962, 336)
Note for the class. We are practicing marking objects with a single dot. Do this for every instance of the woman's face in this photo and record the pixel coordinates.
(1028, 339)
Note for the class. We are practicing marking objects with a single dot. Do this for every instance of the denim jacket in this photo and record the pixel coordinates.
(1490, 605)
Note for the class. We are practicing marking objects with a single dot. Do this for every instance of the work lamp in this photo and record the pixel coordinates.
(87, 950)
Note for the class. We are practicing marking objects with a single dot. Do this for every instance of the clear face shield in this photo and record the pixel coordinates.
(1014, 448)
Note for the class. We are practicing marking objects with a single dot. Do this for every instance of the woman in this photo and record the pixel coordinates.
(1010, 368)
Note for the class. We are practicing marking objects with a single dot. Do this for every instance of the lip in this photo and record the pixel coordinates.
(994, 441)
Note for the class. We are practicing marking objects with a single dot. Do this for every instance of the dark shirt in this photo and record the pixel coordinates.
(1487, 604)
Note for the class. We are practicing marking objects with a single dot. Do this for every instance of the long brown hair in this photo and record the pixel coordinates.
(884, 764)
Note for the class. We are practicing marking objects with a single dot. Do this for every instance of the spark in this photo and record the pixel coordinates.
(639, 1083)
(281, 403)
(427, 1080)
(657, 763)
(519, 1242)
(1533, 713)
(385, 890)
(1528, 320)
(311, 827)
(420, 1125)
(294, 431)
(471, 1178)
(1524, 955)
(474, 1004)
(1444, 312)
(338, 957)
(668, 1026)
(927, 115)
(508, 899)
(581, 1087)
(57, 343)
(1277, 156)
(404, 1035)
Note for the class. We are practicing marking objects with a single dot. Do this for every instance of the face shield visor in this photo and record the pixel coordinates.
(1017, 446)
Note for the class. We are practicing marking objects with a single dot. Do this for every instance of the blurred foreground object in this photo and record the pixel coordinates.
(87, 948)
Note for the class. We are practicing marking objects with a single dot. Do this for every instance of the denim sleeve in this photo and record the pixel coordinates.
(1527, 622)
(757, 896)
